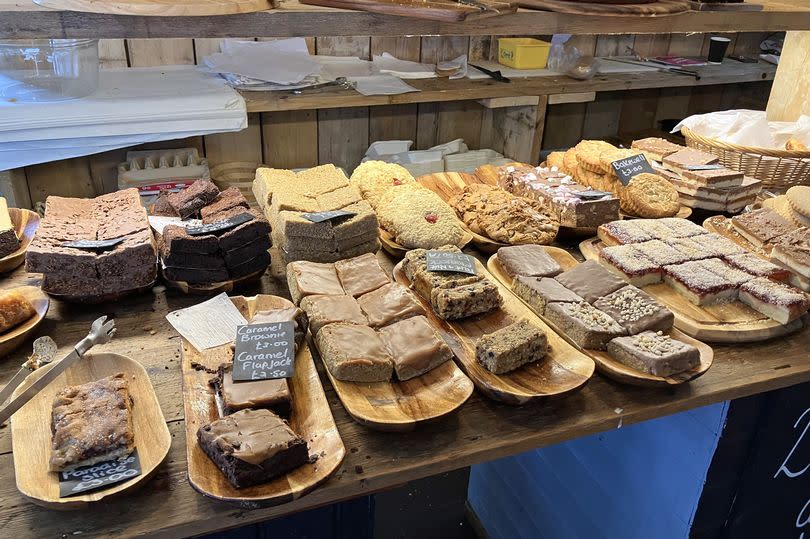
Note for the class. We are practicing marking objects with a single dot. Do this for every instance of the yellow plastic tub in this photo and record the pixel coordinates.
(523, 52)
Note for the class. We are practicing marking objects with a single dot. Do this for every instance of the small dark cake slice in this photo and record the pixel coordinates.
(252, 447)
(188, 202)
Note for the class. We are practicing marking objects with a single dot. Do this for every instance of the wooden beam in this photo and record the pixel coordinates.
(579, 97)
(503, 102)
(790, 95)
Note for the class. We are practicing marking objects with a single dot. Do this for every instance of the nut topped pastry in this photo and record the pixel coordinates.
(635, 310)
(91, 423)
(654, 353)
(586, 325)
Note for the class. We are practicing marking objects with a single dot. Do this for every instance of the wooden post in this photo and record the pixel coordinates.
(790, 96)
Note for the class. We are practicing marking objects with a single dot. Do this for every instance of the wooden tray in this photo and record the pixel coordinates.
(434, 10)
(398, 251)
(158, 8)
(31, 430)
(25, 224)
(563, 370)
(447, 185)
(104, 298)
(732, 322)
(655, 9)
(211, 288)
(604, 361)
(16, 335)
(311, 418)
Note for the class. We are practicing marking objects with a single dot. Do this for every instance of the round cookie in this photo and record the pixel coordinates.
(589, 152)
(556, 159)
(651, 196)
(799, 198)
(570, 162)
(590, 179)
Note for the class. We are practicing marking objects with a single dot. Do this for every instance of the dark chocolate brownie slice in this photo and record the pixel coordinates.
(191, 200)
(45, 255)
(193, 261)
(252, 447)
(196, 276)
(228, 199)
(245, 233)
(9, 242)
(82, 285)
(178, 240)
(253, 265)
(247, 251)
(136, 251)
(162, 206)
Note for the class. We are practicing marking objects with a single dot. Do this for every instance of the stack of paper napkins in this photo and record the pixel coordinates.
(131, 106)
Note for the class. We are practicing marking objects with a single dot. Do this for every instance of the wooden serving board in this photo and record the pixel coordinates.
(563, 370)
(605, 363)
(449, 184)
(434, 10)
(210, 289)
(31, 430)
(160, 8)
(655, 9)
(733, 322)
(398, 251)
(310, 418)
(25, 224)
(16, 335)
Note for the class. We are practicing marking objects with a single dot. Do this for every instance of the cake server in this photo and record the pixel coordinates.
(100, 333)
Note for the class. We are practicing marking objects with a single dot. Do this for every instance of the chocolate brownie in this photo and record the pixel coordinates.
(195, 276)
(247, 251)
(255, 264)
(228, 199)
(178, 240)
(225, 214)
(162, 207)
(188, 202)
(9, 242)
(245, 233)
(252, 447)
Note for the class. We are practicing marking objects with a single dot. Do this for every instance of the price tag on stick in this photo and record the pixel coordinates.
(322, 216)
(93, 245)
(631, 166)
(448, 261)
(225, 224)
(264, 351)
(99, 475)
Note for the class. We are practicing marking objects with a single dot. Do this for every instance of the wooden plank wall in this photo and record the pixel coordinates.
(341, 136)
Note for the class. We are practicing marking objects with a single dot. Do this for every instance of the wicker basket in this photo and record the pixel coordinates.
(238, 174)
(777, 169)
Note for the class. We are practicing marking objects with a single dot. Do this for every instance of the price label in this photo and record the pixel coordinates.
(447, 261)
(321, 216)
(99, 475)
(219, 226)
(264, 351)
(705, 167)
(631, 166)
(93, 245)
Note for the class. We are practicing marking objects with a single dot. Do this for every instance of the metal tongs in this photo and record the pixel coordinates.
(341, 82)
(100, 333)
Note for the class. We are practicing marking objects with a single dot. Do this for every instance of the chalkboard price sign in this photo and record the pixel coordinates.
(93, 245)
(264, 351)
(631, 166)
(448, 261)
(322, 216)
(99, 475)
(219, 226)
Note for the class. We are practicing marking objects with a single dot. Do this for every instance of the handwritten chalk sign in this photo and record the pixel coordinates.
(93, 245)
(631, 166)
(264, 351)
(321, 216)
(219, 226)
(99, 475)
(449, 261)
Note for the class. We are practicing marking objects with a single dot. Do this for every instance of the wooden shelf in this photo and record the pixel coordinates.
(435, 90)
(23, 19)
(482, 430)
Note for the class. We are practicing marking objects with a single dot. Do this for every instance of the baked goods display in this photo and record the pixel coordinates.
(705, 268)
(654, 353)
(68, 271)
(287, 198)
(501, 216)
(9, 242)
(91, 423)
(528, 260)
(14, 310)
(375, 178)
(252, 446)
(762, 226)
(417, 217)
(798, 198)
(366, 327)
(577, 205)
(511, 347)
(229, 254)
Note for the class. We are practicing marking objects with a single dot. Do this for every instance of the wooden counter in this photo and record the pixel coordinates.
(482, 430)
(23, 19)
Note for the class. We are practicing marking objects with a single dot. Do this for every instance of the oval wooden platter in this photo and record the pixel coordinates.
(732, 322)
(16, 335)
(210, 289)
(563, 370)
(398, 251)
(447, 185)
(25, 224)
(31, 430)
(160, 8)
(310, 418)
(605, 363)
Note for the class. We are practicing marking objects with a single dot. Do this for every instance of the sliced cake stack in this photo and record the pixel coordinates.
(288, 200)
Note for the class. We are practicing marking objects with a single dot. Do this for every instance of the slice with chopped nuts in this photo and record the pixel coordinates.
(586, 325)
(654, 353)
(635, 310)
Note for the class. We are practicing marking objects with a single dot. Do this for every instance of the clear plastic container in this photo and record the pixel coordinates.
(48, 69)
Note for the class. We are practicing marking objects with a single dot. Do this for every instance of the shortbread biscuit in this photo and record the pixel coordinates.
(589, 154)
(555, 159)
(570, 162)
(799, 199)
(651, 196)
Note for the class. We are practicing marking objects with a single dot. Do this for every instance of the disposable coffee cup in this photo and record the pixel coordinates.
(717, 49)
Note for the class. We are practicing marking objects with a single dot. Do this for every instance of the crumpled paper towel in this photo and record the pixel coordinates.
(748, 128)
